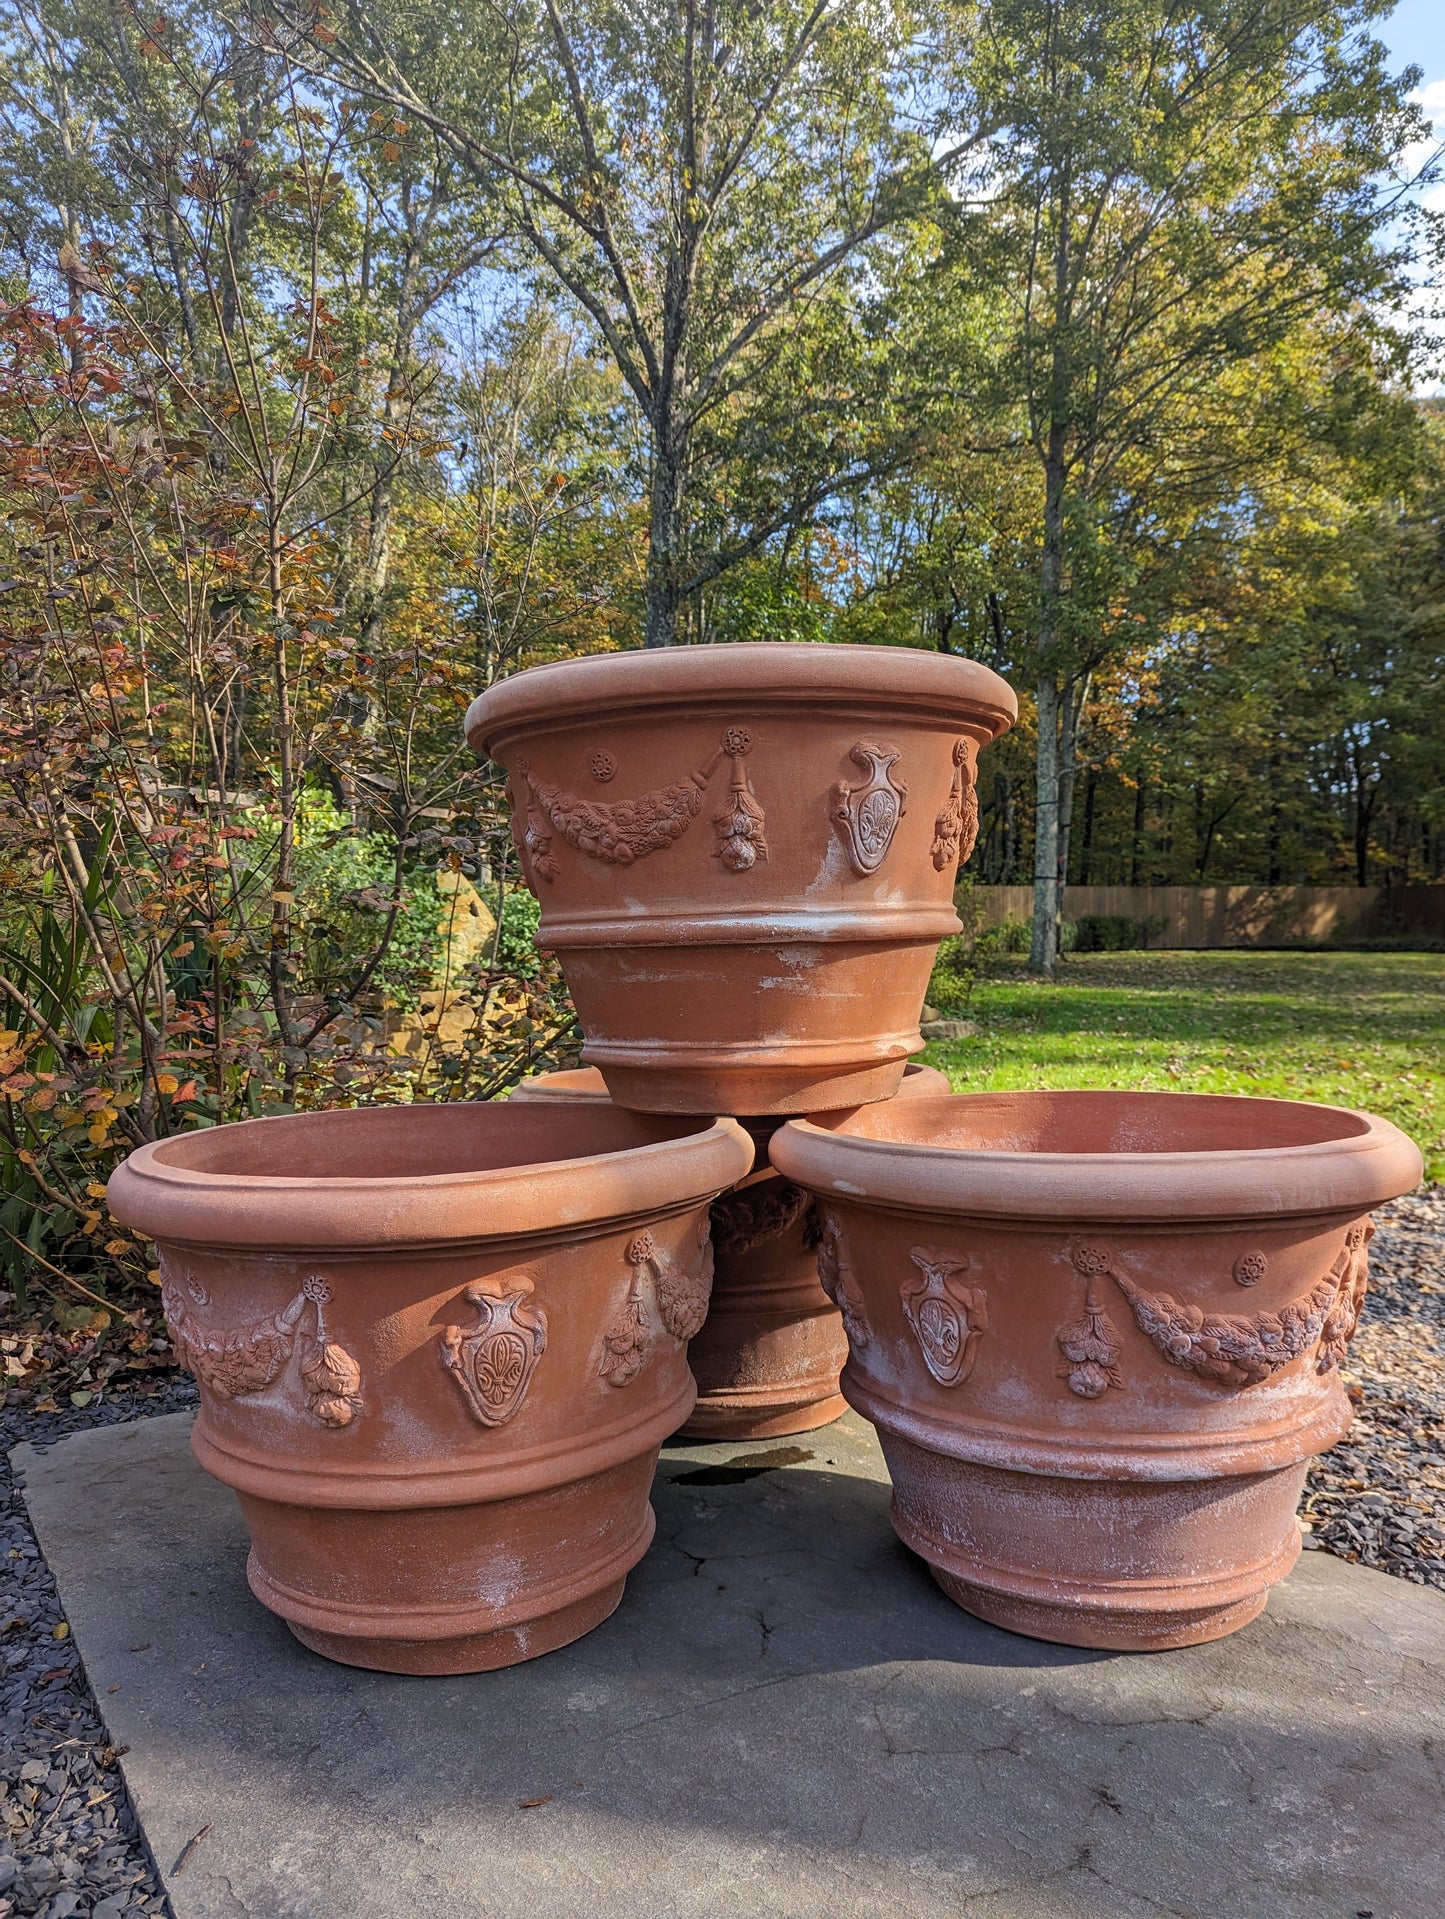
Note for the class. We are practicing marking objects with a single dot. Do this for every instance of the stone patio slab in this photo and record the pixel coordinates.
(785, 1717)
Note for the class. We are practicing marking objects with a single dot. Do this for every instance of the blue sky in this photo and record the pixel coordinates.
(1415, 34)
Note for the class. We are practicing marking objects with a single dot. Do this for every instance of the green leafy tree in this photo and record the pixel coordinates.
(696, 178)
(1177, 190)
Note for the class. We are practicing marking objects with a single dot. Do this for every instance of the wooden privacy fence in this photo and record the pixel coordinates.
(1241, 915)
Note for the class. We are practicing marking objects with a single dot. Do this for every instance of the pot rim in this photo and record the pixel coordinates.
(1367, 1163)
(826, 673)
(539, 1199)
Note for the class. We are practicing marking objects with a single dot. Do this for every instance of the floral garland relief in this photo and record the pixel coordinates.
(1090, 1344)
(839, 1281)
(681, 1288)
(234, 1362)
(620, 832)
(955, 830)
(743, 1220)
(1227, 1349)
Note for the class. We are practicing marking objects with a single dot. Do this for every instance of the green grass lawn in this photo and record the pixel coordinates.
(1351, 1029)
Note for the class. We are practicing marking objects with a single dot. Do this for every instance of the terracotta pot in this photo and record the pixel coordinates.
(438, 1350)
(746, 858)
(1099, 1334)
(768, 1356)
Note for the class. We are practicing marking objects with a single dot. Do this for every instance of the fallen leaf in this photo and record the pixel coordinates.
(524, 1805)
(62, 1631)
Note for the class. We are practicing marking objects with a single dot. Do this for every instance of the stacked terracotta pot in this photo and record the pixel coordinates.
(753, 934)
(440, 1347)
(1100, 1334)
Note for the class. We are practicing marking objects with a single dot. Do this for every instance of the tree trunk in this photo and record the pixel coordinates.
(1365, 797)
(664, 539)
(1091, 788)
(1276, 811)
(1071, 711)
(1364, 810)
(1001, 869)
(1044, 946)
(1051, 793)
(1136, 851)
(246, 87)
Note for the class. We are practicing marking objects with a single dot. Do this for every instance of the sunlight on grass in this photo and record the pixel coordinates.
(1349, 1029)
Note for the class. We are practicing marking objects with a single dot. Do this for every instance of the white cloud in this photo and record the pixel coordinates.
(1428, 290)
(1431, 98)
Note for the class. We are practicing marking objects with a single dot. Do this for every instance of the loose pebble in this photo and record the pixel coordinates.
(1378, 1498)
(69, 1844)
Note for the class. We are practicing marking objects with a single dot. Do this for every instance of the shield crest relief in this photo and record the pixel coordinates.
(948, 1320)
(867, 815)
(493, 1361)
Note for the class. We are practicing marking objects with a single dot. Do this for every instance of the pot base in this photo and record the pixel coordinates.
(1117, 1565)
(1104, 1628)
(468, 1652)
(453, 1589)
(752, 1088)
(723, 1418)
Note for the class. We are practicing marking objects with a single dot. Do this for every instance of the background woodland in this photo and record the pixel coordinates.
(351, 357)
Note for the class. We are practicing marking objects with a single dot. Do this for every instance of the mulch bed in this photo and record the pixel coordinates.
(69, 1844)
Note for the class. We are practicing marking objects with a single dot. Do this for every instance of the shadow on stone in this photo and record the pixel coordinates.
(784, 1717)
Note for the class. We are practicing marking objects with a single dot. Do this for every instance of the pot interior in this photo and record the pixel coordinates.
(1100, 1122)
(417, 1142)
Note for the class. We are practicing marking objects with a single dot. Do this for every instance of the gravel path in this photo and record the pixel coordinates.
(1379, 1497)
(69, 1844)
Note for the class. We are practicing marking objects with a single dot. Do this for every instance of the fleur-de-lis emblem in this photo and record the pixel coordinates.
(948, 1319)
(493, 1361)
(867, 815)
